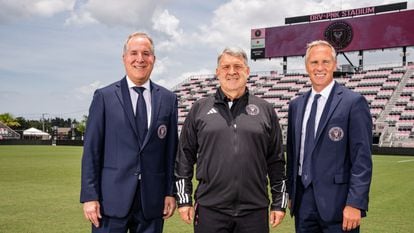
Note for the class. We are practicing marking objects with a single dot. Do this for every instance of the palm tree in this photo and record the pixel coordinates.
(9, 120)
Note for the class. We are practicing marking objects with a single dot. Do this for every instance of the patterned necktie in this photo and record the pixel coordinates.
(309, 144)
(141, 114)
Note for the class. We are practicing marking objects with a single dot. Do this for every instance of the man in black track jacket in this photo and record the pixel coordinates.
(235, 140)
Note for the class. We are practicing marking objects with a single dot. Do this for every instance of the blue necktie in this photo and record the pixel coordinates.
(141, 114)
(309, 144)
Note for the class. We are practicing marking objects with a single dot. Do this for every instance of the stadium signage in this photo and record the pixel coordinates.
(339, 34)
(369, 32)
(347, 13)
(340, 14)
(258, 43)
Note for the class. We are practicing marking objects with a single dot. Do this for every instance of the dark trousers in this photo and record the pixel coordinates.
(307, 218)
(134, 222)
(208, 220)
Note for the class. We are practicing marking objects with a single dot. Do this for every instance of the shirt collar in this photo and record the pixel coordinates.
(325, 92)
(131, 84)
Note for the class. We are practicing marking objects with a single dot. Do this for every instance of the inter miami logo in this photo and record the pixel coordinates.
(162, 131)
(336, 134)
(339, 34)
(252, 110)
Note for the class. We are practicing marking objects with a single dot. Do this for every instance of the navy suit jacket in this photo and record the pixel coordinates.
(341, 158)
(112, 152)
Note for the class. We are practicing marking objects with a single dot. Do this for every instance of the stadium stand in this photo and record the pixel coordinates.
(389, 91)
(7, 133)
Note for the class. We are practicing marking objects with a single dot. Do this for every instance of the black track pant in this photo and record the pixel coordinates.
(208, 220)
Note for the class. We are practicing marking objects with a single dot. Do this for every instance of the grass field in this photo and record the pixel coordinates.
(39, 193)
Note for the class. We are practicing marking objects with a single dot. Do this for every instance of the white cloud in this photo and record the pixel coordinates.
(144, 15)
(232, 22)
(50, 7)
(127, 13)
(87, 90)
(161, 65)
(15, 10)
(166, 23)
(81, 18)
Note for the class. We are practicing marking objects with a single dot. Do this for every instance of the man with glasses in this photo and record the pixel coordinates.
(234, 138)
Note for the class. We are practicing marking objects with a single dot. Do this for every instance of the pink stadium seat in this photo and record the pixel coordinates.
(377, 86)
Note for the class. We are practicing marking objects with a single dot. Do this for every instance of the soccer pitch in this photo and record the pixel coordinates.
(39, 193)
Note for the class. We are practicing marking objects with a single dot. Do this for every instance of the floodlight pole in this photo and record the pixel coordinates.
(43, 121)
(361, 59)
(404, 56)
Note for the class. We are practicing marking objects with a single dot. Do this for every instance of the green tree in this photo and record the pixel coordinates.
(81, 126)
(9, 120)
(24, 124)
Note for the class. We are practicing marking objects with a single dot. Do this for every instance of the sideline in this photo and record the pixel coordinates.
(405, 161)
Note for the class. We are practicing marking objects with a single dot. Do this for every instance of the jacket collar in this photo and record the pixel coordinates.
(220, 97)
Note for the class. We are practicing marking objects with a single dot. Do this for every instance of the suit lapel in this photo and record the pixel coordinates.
(334, 99)
(155, 108)
(299, 119)
(123, 95)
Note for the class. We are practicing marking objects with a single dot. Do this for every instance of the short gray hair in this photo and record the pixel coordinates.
(319, 43)
(235, 52)
(138, 34)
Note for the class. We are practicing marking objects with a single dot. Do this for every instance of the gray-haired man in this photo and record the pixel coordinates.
(235, 139)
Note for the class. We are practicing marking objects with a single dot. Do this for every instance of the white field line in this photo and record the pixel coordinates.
(406, 161)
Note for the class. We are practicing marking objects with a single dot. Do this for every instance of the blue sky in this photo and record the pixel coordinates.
(55, 53)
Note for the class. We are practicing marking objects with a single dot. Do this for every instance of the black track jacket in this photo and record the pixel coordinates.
(235, 151)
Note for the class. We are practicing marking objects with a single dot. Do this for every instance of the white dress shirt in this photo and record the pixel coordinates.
(321, 105)
(134, 97)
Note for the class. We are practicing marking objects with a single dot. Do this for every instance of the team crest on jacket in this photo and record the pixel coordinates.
(162, 131)
(252, 109)
(336, 134)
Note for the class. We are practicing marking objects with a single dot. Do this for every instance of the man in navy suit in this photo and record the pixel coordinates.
(329, 144)
(129, 149)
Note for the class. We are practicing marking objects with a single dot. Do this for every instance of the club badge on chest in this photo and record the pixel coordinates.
(162, 131)
(336, 134)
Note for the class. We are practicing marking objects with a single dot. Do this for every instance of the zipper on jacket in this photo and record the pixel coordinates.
(238, 171)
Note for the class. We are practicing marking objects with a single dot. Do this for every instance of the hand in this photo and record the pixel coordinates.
(169, 207)
(351, 219)
(92, 212)
(276, 217)
(186, 213)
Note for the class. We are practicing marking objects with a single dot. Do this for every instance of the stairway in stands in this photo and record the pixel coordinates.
(386, 138)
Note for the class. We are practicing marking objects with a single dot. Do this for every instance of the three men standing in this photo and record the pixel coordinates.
(235, 141)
